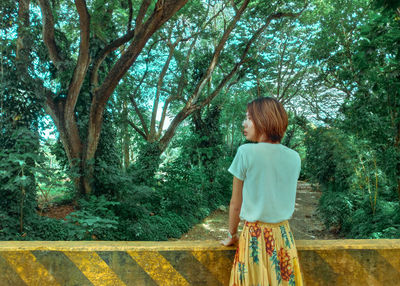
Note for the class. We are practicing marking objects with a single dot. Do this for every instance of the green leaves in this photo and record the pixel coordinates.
(94, 220)
(356, 54)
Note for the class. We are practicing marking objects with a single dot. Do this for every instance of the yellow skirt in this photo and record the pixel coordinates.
(266, 256)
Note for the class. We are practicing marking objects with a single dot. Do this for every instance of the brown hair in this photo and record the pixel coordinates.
(269, 117)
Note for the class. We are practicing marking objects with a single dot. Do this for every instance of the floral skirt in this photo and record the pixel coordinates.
(266, 256)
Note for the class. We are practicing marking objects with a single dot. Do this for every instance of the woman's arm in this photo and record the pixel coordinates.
(234, 211)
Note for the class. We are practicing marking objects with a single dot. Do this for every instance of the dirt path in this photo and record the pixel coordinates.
(305, 222)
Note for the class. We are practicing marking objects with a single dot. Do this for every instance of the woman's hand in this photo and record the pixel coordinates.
(230, 241)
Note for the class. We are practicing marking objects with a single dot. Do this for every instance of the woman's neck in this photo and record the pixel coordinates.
(264, 139)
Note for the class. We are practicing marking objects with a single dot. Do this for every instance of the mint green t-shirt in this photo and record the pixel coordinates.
(270, 173)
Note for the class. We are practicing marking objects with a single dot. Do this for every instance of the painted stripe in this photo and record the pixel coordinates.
(350, 270)
(373, 263)
(158, 268)
(31, 271)
(8, 276)
(217, 263)
(318, 271)
(193, 271)
(94, 268)
(126, 268)
(392, 256)
(61, 268)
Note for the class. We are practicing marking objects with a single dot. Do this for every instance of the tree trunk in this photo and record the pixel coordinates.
(147, 163)
(62, 110)
(125, 134)
(72, 148)
(163, 12)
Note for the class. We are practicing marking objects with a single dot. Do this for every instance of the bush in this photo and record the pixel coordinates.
(335, 208)
(44, 228)
(384, 223)
(94, 220)
(330, 157)
(357, 193)
(158, 227)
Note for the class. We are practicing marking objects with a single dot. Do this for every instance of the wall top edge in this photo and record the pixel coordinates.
(302, 245)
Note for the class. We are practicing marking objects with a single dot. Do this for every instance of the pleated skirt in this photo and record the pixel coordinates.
(266, 256)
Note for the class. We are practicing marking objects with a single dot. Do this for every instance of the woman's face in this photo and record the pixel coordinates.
(248, 128)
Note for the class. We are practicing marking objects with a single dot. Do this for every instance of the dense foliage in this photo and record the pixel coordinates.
(135, 127)
(356, 158)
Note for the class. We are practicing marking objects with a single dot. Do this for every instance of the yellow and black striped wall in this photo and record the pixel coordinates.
(328, 262)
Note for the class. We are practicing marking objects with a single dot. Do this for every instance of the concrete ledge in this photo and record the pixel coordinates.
(323, 262)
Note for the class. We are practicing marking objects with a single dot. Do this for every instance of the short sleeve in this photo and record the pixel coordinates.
(299, 160)
(238, 166)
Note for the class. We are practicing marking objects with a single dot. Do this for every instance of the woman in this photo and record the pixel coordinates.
(263, 195)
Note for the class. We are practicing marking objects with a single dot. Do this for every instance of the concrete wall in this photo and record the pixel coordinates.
(329, 262)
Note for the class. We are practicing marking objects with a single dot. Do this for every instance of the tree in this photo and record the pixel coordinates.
(202, 58)
(357, 58)
(78, 68)
(19, 122)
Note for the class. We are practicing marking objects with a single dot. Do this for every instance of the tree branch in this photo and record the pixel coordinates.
(189, 107)
(296, 78)
(163, 115)
(142, 13)
(164, 10)
(48, 33)
(79, 72)
(164, 70)
(54, 109)
(83, 58)
(137, 129)
(223, 82)
(139, 113)
(182, 115)
(234, 6)
(243, 56)
(104, 53)
(130, 15)
(23, 49)
(132, 96)
(182, 80)
(179, 91)
(216, 54)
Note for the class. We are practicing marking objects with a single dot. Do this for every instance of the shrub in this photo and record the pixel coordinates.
(94, 220)
(357, 192)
